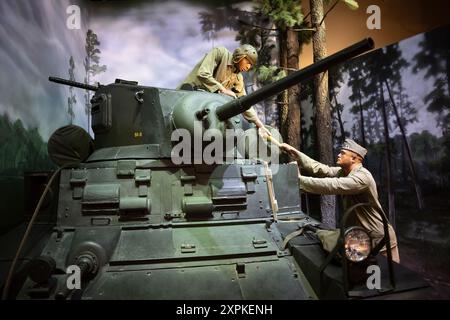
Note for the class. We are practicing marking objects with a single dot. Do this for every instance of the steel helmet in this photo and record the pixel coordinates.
(247, 51)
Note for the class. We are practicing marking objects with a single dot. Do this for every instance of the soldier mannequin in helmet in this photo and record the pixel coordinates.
(351, 180)
(220, 71)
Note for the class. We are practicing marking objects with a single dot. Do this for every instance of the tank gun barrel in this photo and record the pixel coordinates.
(73, 83)
(237, 106)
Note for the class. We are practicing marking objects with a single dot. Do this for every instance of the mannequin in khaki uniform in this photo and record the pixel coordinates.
(351, 180)
(220, 71)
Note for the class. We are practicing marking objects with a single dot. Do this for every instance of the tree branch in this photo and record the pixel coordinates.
(307, 15)
(305, 29)
(328, 11)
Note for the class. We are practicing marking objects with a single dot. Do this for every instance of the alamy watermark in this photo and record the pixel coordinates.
(374, 20)
(211, 146)
(73, 21)
(374, 280)
(73, 280)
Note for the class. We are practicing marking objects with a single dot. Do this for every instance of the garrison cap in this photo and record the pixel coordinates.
(351, 145)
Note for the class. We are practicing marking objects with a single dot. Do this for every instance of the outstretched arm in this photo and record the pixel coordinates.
(352, 184)
(251, 116)
(308, 164)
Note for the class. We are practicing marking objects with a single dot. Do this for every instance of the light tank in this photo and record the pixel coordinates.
(132, 224)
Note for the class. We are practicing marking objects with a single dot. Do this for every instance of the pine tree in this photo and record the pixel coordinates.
(71, 100)
(383, 70)
(433, 57)
(92, 68)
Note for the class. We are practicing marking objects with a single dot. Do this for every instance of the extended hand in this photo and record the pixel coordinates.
(290, 150)
(263, 132)
(228, 92)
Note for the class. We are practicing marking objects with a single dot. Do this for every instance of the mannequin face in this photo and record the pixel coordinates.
(244, 65)
(346, 158)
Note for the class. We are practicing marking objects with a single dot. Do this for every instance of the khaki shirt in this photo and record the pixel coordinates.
(357, 187)
(217, 71)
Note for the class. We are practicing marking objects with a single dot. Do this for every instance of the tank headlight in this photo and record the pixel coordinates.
(357, 244)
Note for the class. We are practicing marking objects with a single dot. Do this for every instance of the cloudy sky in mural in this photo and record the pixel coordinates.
(34, 45)
(157, 44)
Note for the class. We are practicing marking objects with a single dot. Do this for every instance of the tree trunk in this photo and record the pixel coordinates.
(89, 115)
(380, 167)
(363, 133)
(87, 106)
(87, 109)
(408, 150)
(447, 65)
(322, 104)
(391, 199)
(283, 100)
(293, 119)
(339, 118)
(404, 175)
(332, 95)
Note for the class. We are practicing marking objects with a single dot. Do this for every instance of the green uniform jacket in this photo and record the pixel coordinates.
(357, 187)
(216, 71)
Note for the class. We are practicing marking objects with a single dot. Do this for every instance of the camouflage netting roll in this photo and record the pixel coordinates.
(70, 145)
